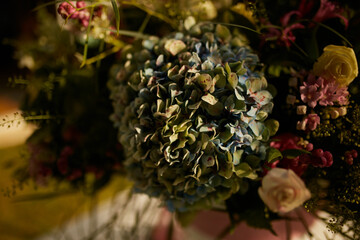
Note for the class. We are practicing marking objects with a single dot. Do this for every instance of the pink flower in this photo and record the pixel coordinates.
(297, 164)
(332, 92)
(282, 190)
(289, 141)
(80, 4)
(328, 94)
(287, 36)
(313, 80)
(304, 8)
(309, 123)
(318, 90)
(309, 94)
(312, 121)
(341, 96)
(328, 10)
(67, 10)
(285, 141)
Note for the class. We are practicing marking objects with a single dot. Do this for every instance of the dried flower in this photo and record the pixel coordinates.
(189, 110)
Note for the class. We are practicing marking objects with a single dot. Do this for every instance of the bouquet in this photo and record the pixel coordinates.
(247, 107)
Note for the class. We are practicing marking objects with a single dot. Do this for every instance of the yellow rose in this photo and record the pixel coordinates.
(338, 63)
(282, 190)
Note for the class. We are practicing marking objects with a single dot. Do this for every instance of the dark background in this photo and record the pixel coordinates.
(17, 22)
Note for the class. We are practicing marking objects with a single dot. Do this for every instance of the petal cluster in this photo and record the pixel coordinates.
(190, 109)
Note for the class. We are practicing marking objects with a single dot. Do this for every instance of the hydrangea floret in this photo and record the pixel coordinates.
(191, 110)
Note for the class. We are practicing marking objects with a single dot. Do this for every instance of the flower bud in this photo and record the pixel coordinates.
(301, 110)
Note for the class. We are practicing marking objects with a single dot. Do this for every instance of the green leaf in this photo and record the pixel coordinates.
(227, 68)
(117, 15)
(220, 80)
(253, 213)
(225, 135)
(237, 156)
(236, 66)
(244, 170)
(210, 99)
(233, 80)
(253, 160)
(223, 32)
(226, 169)
(293, 153)
(272, 125)
(273, 154)
(214, 110)
(205, 81)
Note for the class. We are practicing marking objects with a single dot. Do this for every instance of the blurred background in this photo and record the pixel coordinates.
(17, 22)
(29, 212)
(32, 216)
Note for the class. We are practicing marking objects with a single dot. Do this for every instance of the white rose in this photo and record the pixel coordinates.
(282, 190)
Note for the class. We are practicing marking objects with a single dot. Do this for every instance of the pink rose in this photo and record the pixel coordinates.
(282, 190)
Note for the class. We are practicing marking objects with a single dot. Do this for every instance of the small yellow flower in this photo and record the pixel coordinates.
(338, 63)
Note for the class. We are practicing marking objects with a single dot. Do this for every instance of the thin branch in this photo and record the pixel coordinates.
(239, 26)
(330, 29)
(87, 38)
(151, 12)
(144, 23)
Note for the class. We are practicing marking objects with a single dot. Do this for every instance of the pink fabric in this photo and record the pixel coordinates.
(211, 224)
(161, 230)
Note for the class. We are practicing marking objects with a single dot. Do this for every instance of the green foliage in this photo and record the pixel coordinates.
(293, 153)
(250, 209)
(117, 14)
(272, 155)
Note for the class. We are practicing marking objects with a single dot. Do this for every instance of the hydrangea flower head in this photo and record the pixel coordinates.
(190, 109)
